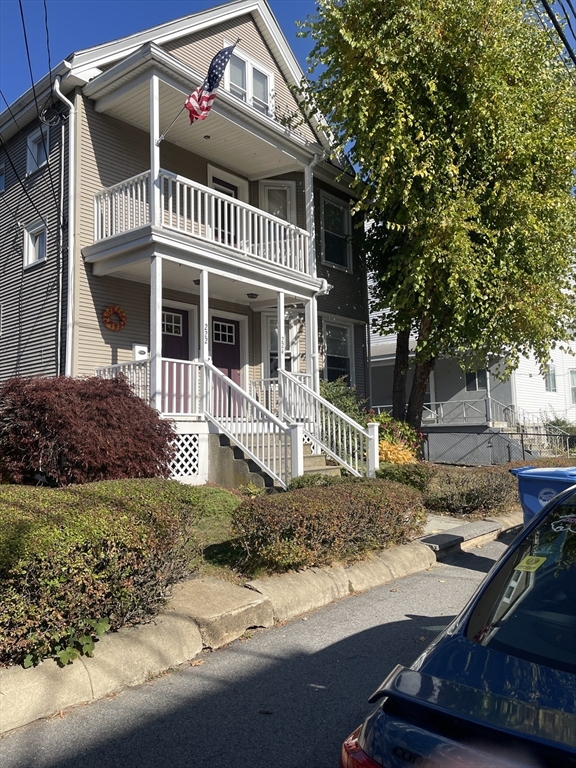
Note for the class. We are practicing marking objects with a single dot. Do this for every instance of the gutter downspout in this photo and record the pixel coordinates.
(71, 223)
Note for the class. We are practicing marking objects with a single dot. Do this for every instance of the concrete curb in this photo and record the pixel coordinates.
(209, 613)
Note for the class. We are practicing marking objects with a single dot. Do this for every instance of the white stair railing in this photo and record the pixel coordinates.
(272, 445)
(347, 442)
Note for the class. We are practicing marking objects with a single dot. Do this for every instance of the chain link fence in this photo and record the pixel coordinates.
(487, 448)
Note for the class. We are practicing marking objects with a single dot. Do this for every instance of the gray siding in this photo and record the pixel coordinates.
(30, 297)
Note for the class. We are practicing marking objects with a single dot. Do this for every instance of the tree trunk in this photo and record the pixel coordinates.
(401, 364)
(422, 372)
(418, 392)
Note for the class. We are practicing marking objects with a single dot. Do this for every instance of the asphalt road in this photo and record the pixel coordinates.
(284, 697)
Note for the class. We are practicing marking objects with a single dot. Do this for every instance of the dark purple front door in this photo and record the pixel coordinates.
(226, 346)
(175, 341)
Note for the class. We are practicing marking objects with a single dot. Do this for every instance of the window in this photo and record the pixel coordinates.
(279, 199)
(337, 352)
(172, 323)
(250, 82)
(335, 216)
(550, 378)
(573, 386)
(273, 343)
(2, 178)
(35, 244)
(37, 154)
(224, 333)
(476, 380)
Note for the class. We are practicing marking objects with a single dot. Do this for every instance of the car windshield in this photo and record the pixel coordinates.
(528, 610)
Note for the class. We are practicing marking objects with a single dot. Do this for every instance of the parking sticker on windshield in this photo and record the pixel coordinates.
(530, 564)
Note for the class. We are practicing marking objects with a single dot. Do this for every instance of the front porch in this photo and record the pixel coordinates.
(271, 426)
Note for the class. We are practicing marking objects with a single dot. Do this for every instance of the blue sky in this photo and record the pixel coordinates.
(77, 24)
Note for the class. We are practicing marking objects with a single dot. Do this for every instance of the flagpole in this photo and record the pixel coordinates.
(163, 136)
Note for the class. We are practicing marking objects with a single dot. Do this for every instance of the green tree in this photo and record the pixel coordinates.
(461, 121)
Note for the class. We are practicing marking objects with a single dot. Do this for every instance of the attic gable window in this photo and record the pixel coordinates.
(250, 82)
(37, 146)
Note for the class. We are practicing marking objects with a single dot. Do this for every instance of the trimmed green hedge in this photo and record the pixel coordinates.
(77, 561)
(322, 525)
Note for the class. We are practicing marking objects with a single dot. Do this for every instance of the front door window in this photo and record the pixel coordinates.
(175, 337)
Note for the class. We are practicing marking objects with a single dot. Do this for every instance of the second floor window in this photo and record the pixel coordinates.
(37, 146)
(573, 386)
(335, 232)
(337, 350)
(249, 83)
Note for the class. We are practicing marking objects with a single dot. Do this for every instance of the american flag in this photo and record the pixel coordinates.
(200, 102)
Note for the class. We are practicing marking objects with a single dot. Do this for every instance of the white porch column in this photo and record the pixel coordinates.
(204, 334)
(312, 357)
(281, 350)
(310, 225)
(155, 201)
(156, 332)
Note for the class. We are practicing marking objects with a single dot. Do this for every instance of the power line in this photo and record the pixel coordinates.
(564, 11)
(553, 41)
(42, 134)
(48, 50)
(5, 148)
(557, 27)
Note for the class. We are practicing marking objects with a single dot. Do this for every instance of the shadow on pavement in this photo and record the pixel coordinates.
(288, 712)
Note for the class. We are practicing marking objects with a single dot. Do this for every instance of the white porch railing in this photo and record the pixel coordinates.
(122, 207)
(181, 387)
(266, 391)
(136, 373)
(261, 435)
(202, 213)
(348, 443)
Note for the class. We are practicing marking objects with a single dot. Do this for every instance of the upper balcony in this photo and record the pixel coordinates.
(205, 216)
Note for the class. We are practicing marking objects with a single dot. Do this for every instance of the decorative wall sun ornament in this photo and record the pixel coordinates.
(114, 318)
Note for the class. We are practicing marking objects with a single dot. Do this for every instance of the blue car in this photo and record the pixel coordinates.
(497, 688)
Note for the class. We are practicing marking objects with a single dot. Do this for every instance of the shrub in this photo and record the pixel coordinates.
(319, 526)
(397, 432)
(345, 398)
(459, 490)
(65, 430)
(417, 475)
(314, 480)
(395, 453)
(78, 560)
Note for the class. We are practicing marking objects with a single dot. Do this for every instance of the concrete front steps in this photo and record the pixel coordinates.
(230, 468)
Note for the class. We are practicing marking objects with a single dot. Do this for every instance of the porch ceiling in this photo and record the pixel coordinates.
(180, 277)
(219, 139)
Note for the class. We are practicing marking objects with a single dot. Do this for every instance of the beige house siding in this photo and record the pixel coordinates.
(197, 51)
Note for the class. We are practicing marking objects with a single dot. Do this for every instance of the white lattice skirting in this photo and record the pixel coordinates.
(187, 460)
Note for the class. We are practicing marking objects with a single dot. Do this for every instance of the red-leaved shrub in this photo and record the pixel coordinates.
(68, 430)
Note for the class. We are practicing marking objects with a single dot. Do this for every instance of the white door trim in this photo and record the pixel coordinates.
(242, 184)
(192, 310)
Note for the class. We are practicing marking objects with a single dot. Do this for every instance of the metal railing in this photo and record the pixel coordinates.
(122, 207)
(333, 431)
(136, 373)
(203, 213)
(266, 391)
(252, 427)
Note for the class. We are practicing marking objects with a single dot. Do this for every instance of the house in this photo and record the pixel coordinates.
(210, 264)
(476, 418)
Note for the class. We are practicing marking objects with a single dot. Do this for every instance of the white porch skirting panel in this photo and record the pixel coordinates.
(190, 464)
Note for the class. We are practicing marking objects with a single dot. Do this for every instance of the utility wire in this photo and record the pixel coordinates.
(554, 42)
(5, 148)
(42, 134)
(567, 17)
(557, 27)
(48, 50)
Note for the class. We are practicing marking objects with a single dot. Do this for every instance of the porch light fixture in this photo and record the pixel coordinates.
(196, 282)
(207, 137)
(252, 295)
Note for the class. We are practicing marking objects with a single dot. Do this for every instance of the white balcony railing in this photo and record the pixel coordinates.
(204, 214)
(136, 373)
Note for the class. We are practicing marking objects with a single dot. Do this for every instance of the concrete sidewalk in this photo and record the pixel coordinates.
(209, 613)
